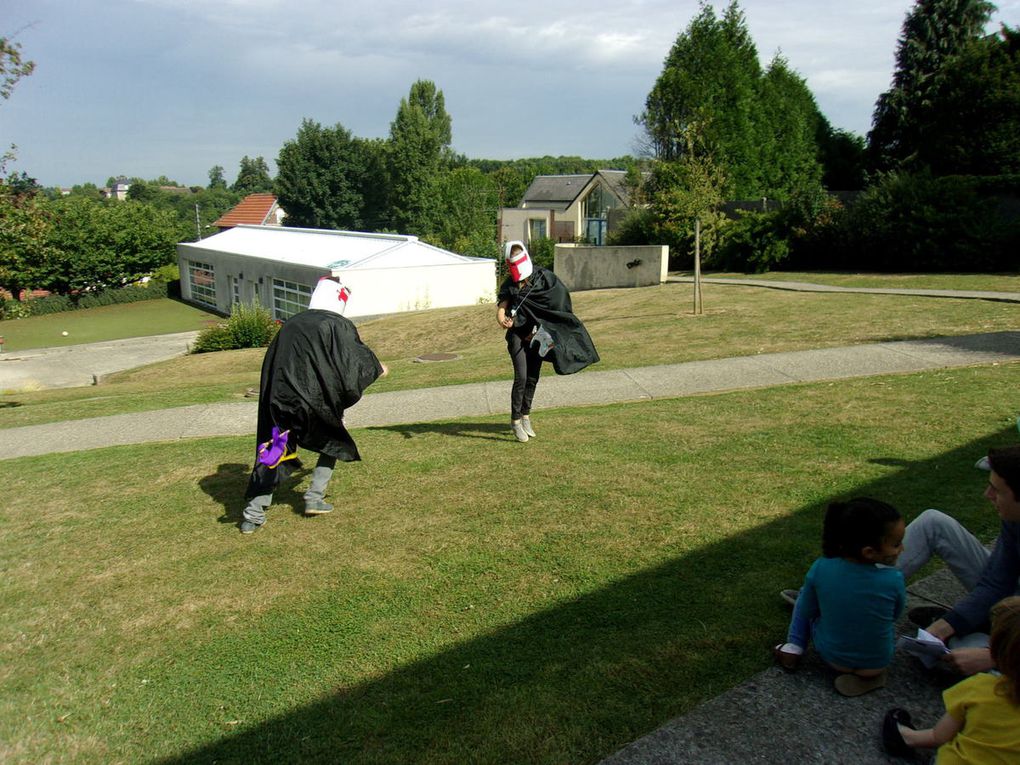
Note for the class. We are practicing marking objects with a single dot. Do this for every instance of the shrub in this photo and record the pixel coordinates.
(14, 309)
(543, 252)
(920, 222)
(214, 338)
(49, 304)
(251, 325)
(636, 228)
(754, 242)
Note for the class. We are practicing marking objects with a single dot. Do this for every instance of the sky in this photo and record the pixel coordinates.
(144, 88)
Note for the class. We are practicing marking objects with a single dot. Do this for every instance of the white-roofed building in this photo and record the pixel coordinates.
(279, 267)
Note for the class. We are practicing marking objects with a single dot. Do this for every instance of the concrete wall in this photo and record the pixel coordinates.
(394, 290)
(581, 267)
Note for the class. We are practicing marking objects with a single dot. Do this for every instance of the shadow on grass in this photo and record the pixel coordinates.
(9, 404)
(577, 681)
(461, 429)
(226, 486)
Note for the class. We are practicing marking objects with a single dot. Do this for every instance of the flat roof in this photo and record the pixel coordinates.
(327, 249)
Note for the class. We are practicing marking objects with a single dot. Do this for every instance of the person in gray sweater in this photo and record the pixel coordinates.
(988, 576)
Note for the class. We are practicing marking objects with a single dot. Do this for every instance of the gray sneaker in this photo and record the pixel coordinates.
(317, 507)
(789, 596)
(519, 431)
(247, 527)
(526, 424)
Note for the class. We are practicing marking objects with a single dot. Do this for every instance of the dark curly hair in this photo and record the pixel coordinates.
(1006, 464)
(851, 526)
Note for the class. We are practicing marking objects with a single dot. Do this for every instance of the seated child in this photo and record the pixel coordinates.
(851, 596)
(982, 720)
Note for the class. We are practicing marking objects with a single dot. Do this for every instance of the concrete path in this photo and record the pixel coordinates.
(74, 366)
(777, 718)
(1006, 297)
(591, 387)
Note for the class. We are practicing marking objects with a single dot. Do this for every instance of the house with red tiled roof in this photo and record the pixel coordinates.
(253, 210)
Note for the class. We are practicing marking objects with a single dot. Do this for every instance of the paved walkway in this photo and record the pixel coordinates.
(484, 399)
(74, 366)
(1005, 297)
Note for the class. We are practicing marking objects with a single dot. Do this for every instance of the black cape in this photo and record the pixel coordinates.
(315, 368)
(544, 300)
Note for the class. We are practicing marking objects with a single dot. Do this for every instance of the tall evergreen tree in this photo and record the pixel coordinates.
(789, 132)
(252, 176)
(709, 82)
(972, 126)
(759, 127)
(419, 148)
(320, 177)
(933, 32)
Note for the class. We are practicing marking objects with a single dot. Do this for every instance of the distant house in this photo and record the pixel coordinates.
(566, 208)
(279, 267)
(118, 191)
(253, 210)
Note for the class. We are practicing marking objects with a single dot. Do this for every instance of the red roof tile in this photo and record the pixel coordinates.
(254, 209)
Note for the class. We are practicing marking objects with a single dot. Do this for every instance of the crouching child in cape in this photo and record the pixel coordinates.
(315, 368)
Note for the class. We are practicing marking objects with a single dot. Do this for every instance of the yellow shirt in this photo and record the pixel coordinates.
(991, 724)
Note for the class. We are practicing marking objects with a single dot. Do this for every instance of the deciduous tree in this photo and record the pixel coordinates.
(319, 179)
(93, 245)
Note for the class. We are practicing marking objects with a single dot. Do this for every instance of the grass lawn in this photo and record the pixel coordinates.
(635, 327)
(113, 322)
(471, 599)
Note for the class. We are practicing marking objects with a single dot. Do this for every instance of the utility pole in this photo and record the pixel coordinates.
(198, 223)
(697, 266)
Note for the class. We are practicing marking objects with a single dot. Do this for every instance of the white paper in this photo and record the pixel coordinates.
(925, 647)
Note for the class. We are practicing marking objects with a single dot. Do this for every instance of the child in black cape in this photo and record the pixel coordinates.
(315, 368)
(534, 308)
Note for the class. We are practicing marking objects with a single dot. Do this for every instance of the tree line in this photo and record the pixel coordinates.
(933, 186)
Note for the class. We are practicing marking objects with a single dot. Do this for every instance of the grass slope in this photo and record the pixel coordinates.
(634, 327)
(470, 599)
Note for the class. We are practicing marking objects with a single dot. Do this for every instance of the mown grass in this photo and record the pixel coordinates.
(113, 322)
(631, 328)
(470, 599)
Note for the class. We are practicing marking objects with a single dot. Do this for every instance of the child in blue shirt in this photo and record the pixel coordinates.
(851, 596)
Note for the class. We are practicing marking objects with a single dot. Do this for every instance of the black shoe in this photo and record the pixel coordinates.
(923, 616)
(247, 527)
(892, 739)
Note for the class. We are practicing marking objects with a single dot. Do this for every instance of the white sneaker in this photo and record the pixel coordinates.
(519, 431)
(526, 424)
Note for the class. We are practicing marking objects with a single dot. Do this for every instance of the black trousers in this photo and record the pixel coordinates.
(527, 368)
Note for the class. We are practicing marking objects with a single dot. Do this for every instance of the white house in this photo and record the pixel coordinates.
(279, 267)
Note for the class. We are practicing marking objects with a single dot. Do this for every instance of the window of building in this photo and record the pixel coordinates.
(235, 287)
(595, 211)
(536, 229)
(202, 280)
(289, 298)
